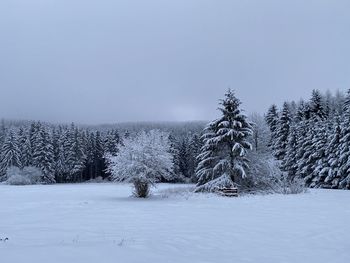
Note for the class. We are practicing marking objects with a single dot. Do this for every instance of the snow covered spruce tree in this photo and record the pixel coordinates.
(282, 133)
(43, 155)
(142, 160)
(222, 160)
(10, 153)
(272, 121)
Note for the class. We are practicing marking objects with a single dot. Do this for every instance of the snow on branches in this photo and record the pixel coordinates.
(143, 160)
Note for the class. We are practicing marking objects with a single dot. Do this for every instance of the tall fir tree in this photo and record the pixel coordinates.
(43, 155)
(317, 109)
(289, 163)
(223, 158)
(282, 133)
(10, 152)
(333, 162)
(272, 121)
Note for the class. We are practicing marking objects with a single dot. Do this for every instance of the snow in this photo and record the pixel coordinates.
(102, 223)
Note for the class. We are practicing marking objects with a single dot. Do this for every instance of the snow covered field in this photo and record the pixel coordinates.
(102, 223)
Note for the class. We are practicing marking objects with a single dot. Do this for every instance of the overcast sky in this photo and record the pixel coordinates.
(105, 61)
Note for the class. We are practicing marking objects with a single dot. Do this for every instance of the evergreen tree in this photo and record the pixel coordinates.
(346, 105)
(300, 114)
(98, 156)
(272, 121)
(317, 106)
(174, 151)
(76, 156)
(43, 155)
(25, 147)
(2, 133)
(112, 142)
(184, 158)
(344, 157)
(90, 155)
(333, 160)
(320, 167)
(10, 152)
(282, 133)
(223, 157)
(290, 161)
(194, 150)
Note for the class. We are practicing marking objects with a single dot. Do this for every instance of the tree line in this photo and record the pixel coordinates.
(69, 153)
(311, 139)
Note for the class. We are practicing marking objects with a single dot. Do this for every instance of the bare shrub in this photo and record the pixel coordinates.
(285, 185)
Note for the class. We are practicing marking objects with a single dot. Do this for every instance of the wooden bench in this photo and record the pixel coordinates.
(228, 191)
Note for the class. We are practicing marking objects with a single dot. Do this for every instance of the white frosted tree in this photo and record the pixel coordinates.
(223, 160)
(142, 160)
(261, 133)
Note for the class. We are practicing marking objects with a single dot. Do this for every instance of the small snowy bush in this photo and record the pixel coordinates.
(15, 177)
(265, 176)
(285, 185)
(142, 161)
(26, 176)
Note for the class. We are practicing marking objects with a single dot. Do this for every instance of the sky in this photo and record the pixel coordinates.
(108, 61)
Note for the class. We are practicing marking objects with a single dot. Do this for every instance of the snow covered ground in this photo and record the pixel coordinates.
(102, 223)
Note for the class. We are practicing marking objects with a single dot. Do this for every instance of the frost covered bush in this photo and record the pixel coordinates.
(286, 185)
(265, 176)
(143, 160)
(27, 175)
(15, 177)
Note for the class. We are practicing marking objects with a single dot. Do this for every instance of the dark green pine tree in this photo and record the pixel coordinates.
(344, 146)
(90, 154)
(99, 161)
(282, 133)
(76, 155)
(112, 142)
(333, 161)
(43, 156)
(223, 160)
(2, 133)
(175, 152)
(10, 153)
(290, 161)
(195, 148)
(317, 109)
(271, 119)
(319, 158)
(184, 158)
(346, 105)
(25, 147)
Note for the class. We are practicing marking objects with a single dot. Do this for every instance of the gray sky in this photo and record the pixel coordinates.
(103, 61)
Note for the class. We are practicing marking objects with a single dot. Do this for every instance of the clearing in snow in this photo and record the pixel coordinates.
(102, 223)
